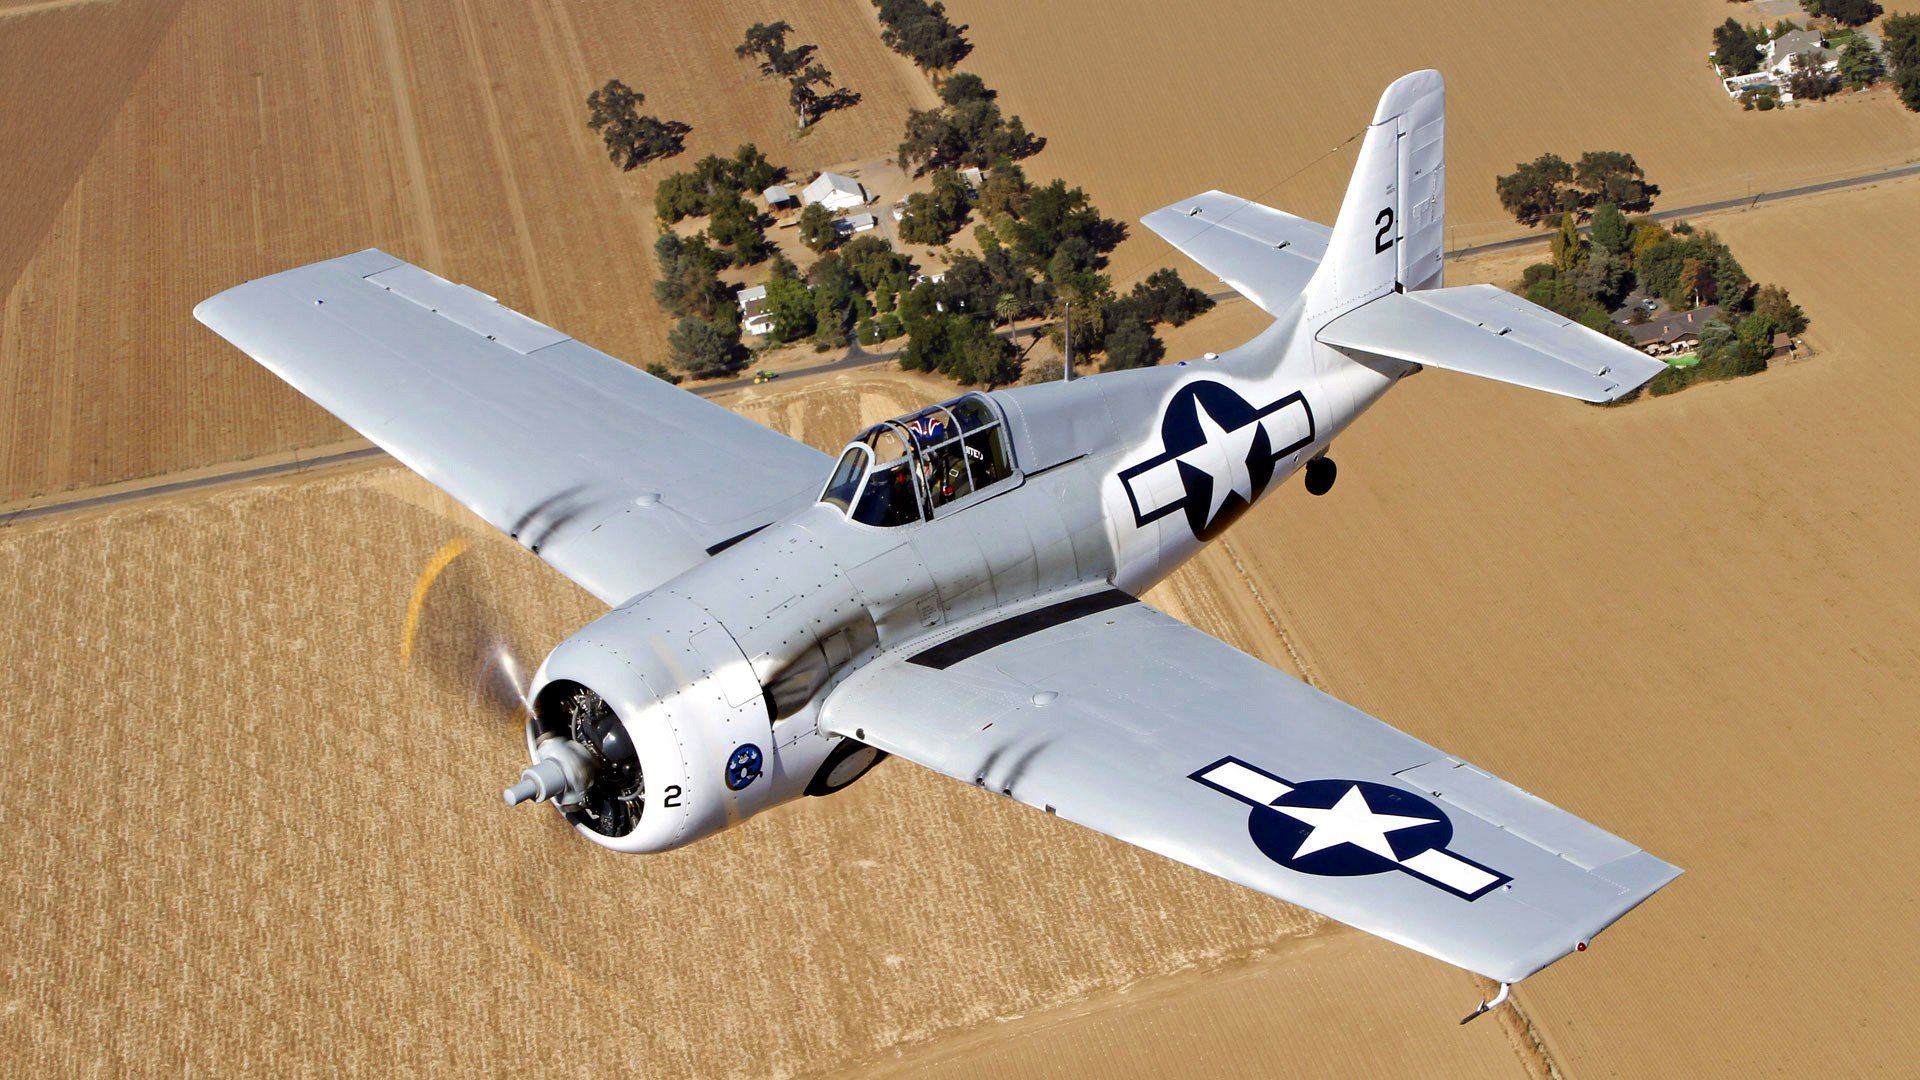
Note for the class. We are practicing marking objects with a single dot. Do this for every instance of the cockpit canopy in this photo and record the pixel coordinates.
(922, 465)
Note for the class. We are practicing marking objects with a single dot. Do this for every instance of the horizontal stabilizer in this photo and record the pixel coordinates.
(1482, 330)
(1266, 255)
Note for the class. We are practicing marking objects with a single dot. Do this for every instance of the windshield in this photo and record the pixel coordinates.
(846, 477)
(911, 468)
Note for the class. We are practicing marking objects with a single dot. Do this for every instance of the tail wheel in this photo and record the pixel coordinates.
(1320, 474)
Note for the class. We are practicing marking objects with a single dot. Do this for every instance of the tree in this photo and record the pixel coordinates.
(768, 43)
(698, 348)
(790, 306)
(1848, 12)
(689, 282)
(736, 226)
(1734, 49)
(1907, 83)
(1131, 344)
(921, 32)
(1902, 33)
(932, 217)
(632, 139)
(1164, 297)
(967, 129)
(817, 230)
(1696, 280)
(1536, 190)
(1004, 192)
(1569, 247)
(1613, 176)
(1808, 82)
(1860, 64)
(1058, 220)
(1610, 232)
(1773, 304)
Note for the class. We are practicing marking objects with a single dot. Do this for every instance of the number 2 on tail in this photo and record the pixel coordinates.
(1383, 239)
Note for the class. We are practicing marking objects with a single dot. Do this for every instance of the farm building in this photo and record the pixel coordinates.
(754, 316)
(855, 223)
(835, 192)
(779, 197)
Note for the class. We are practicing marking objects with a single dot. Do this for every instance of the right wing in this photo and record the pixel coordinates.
(1115, 716)
(1267, 255)
(617, 479)
(1485, 331)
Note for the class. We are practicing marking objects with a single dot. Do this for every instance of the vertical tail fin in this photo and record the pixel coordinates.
(1390, 232)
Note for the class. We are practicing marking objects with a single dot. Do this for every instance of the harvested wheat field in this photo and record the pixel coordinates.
(194, 144)
(1689, 619)
(247, 839)
(1154, 100)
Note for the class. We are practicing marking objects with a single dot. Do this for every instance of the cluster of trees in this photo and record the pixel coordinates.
(1847, 12)
(1902, 33)
(632, 139)
(921, 32)
(967, 129)
(1548, 187)
(767, 43)
(854, 290)
(1590, 274)
(706, 340)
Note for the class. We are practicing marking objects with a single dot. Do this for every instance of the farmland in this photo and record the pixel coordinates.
(246, 839)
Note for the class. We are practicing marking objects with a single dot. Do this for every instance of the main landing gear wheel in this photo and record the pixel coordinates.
(1320, 474)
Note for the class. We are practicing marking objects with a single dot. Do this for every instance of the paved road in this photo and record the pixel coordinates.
(1862, 180)
(858, 357)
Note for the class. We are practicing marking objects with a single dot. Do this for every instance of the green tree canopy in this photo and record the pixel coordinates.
(1734, 49)
(632, 139)
(967, 130)
(689, 282)
(790, 306)
(1860, 65)
(698, 348)
(1537, 190)
(921, 32)
(816, 227)
(1130, 343)
(1614, 177)
(1610, 232)
(1848, 12)
(932, 217)
(1164, 297)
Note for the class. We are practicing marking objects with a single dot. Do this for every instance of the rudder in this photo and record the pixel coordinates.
(1389, 235)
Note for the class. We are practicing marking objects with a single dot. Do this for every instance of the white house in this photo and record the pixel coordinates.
(835, 192)
(754, 316)
(1802, 47)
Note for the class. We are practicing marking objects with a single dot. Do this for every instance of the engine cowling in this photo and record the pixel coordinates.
(656, 730)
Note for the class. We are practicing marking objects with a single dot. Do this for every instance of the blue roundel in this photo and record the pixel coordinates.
(743, 767)
(1346, 828)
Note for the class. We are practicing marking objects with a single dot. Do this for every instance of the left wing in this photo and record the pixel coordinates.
(617, 479)
(1113, 715)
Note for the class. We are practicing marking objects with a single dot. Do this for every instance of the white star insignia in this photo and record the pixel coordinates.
(1223, 457)
(1350, 821)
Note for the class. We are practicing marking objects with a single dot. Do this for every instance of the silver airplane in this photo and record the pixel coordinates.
(960, 588)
